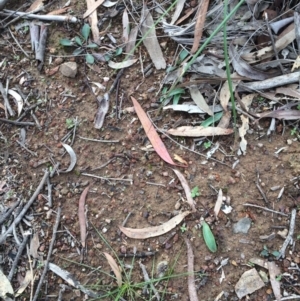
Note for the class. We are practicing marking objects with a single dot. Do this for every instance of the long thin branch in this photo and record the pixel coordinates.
(266, 209)
(25, 208)
(36, 295)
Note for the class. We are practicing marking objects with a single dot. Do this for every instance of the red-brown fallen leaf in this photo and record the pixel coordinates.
(187, 189)
(151, 133)
(81, 216)
(114, 266)
(155, 231)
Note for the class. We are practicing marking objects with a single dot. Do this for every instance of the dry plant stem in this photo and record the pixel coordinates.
(289, 236)
(272, 82)
(28, 150)
(30, 15)
(16, 41)
(6, 102)
(191, 276)
(262, 193)
(15, 263)
(297, 29)
(126, 219)
(36, 295)
(107, 179)
(96, 140)
(147, 279)
(290, 298)
(19, 123)
(49, 187)
(266, 209)
(25, 208)
(9, 212)
(203, 6)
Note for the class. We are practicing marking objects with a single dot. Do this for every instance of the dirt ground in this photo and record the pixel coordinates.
(142, 184)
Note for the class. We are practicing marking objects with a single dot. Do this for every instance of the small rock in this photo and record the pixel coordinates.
(248, 283)
(177, 205)
(289, 141)
(68, 69)
(104, 230)
(242, 226)
(58, 61)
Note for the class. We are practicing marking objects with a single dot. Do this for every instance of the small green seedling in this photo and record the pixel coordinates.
(266, 253)
(70, 123)
(195, 192)
(183, 228)
(209, 238)
(81, 43)
(207, 144)
(293, 131)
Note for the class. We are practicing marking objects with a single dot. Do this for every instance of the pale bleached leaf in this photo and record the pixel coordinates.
(18, 100)
(274, 272)
(178, 10)
(242, 132)
(5, 286)
(72, 155)
(70, 279)
(150, 40)
(130, 47)
(108, 3)
(225, 93)
(121, 65)
(155, 231)
(199, 100)
(29, 277)
(187, 189)
(198, 131)
(114, 266)
(126, 27)
(34, 245)
(218, 203)
(192, 109)
(103, 106)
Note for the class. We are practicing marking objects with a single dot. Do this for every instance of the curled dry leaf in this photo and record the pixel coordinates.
(187, 189)
(198, 131)
(18, 100)
(81, 216)
(155, 231)
(121, 65)
(151, 133)
(191, 275)
(73, 157)
(103, 106)
(114, 266)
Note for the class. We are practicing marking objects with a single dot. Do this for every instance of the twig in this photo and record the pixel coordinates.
(19, 123)
(9, 212)
(289, 236)
(266, 209)
(6, 102)
(20, 251)
(260, 190)
(28, 150)
(156, 184)
(103, 165)
(49, 197)
(36, 295)
(108, 179)
(96, 140)
(147, 279)
(126, 219)
(16, 41)
(25, 208)
(116, 81)
(191, 275)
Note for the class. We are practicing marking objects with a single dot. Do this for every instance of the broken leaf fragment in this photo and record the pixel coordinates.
(209, 238)
(155, 231)
(114, 266)
(73, 157)
(198, 131)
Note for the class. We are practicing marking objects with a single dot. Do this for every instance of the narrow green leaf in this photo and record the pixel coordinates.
(174, 92)
(209, 238)
(206, 123)
(119, 51)
(77, 51)
(66, 42)
(183, 54)
(89, 59)
(78, 41)
(176, 99)
(92, 45)
(85, 31)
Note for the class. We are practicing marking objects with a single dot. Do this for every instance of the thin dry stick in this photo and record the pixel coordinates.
(203, 6)
(191, 276)
(25, 208)
(19, 123)
(108, 179)
(16, 41)
(147, 279)
(96, 140)
(9, 212)
(290, 235)
(49, 254)
(20, 251)
(266, 209)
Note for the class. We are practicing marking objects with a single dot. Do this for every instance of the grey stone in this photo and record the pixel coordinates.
(68, 69)
(242, 226)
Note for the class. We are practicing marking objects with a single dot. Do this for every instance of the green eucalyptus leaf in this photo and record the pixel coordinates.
(66, 42)
(183, 54)
(89, 59)
(175, 91)
(85, 31)
(78, 41)
(176, 99)
(119, 51)
(212, 119)
(209, 238)
(92, 45)
(77, 51)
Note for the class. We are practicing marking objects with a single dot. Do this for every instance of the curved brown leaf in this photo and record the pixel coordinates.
(81, 216)
(114, 266)
(154, 231)
(151, 133)
(187, 189)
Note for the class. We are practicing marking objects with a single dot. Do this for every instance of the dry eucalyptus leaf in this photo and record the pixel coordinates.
(114, 266)
(5, 286)
(121, 65)
(18, 100)
(103, 106)
(73, 157)
(199, 100)
(198, 131)
(155, 231)
(242, 132)
(34, 245)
